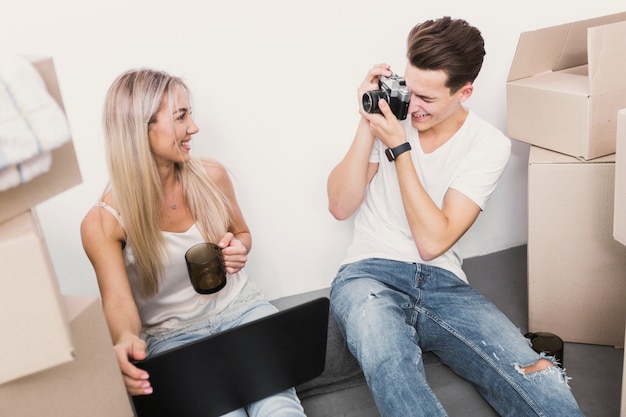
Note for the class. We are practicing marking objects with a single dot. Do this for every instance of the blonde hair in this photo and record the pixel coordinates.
(131, 104)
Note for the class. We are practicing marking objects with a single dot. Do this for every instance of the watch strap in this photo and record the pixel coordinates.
(393, 153)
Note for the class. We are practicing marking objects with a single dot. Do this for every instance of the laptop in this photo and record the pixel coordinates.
(226, 371)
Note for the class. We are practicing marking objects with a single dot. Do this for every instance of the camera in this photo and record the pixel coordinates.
(395, 92)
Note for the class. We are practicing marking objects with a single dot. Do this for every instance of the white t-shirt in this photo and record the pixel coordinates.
(471, 162)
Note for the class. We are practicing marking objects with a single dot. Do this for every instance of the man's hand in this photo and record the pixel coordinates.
(386, 127)
(370, 83)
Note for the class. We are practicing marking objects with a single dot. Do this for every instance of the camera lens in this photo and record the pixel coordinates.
(370, 100)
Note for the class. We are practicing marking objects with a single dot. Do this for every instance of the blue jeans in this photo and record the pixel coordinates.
(248, 306)
(390, 312)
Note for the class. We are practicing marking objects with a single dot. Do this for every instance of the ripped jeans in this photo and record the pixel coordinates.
(390, 312)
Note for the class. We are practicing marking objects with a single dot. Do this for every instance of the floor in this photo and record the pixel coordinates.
(596, 371)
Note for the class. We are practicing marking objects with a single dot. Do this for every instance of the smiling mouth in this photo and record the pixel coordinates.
(419, 116)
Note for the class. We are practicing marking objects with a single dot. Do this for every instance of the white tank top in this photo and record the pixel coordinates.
(177, 304)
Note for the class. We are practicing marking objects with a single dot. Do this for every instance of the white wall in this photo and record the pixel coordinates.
(275, 98)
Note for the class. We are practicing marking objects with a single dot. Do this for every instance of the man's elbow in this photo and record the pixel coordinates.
(343, 208)
(429, 252)
(338, 212)
(427, 256)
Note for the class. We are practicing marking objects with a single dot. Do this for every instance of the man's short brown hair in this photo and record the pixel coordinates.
(450, 45)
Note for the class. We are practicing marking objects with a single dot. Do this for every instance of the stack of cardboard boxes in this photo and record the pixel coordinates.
(56, 357)
(565, 88)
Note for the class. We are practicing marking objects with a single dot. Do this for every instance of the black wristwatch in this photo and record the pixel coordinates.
(392, 153)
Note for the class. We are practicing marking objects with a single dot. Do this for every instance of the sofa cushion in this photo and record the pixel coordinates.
(349, 402)
(341, 369)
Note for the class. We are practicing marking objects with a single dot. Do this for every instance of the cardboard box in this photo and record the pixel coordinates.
(91, 385)
(64, 172)
(619, 223)
(566, 84)
(576, 269)
(32, 317)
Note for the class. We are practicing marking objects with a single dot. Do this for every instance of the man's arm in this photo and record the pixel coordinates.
(434, 230)
(348, 180)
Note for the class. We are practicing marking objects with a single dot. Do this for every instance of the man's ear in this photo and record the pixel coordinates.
(466, 92)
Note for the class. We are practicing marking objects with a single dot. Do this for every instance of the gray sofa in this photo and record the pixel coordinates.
(341, 389)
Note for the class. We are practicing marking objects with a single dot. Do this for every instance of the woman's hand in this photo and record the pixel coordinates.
(234, 252)
(135, 379)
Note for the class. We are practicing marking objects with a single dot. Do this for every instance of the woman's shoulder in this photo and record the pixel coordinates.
(105, 201)
(103, 217)
(107, 198)
(214, 169)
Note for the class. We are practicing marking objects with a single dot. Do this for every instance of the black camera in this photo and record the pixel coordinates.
(395, 92)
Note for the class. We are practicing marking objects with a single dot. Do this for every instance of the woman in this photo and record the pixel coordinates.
(160, 202)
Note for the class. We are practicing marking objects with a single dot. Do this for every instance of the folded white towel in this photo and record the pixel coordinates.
(25, 171)
(31, 122)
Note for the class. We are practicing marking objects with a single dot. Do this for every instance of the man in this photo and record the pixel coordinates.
(418, 185)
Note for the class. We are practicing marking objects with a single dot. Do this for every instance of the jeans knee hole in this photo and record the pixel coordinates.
(541, 365)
